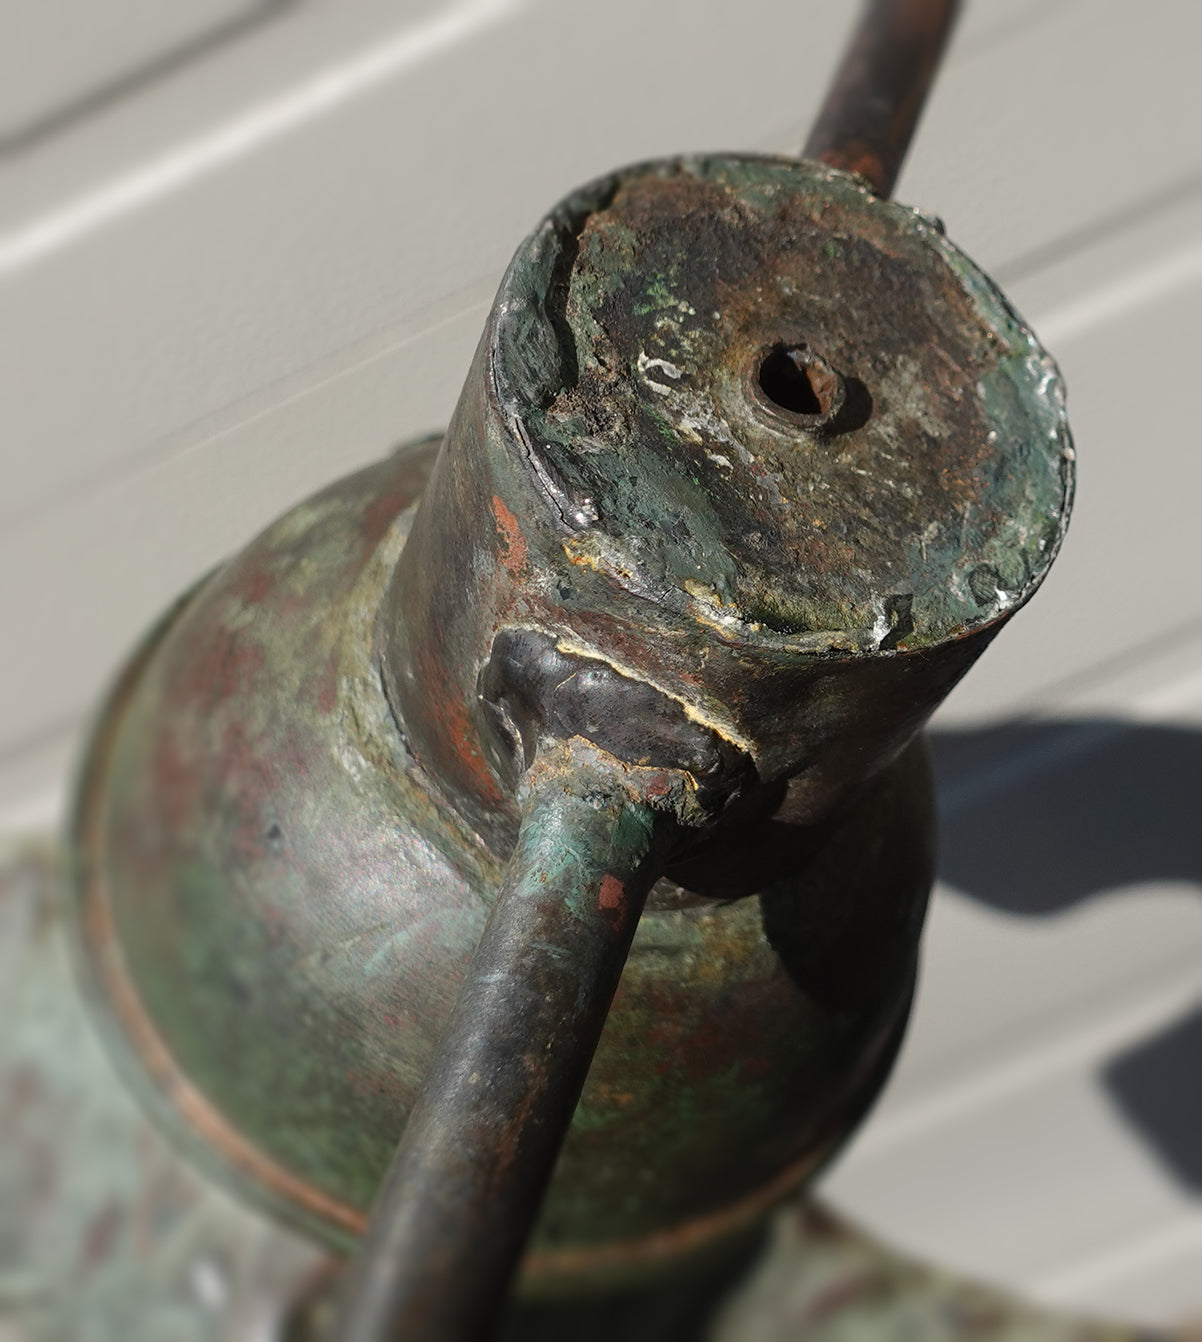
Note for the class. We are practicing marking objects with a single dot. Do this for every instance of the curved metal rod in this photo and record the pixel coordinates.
(873, 105)
(467, 1181)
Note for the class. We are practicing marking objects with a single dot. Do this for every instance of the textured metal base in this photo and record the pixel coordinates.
(107, 1234)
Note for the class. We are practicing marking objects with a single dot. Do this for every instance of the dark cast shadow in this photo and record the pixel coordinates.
(1036, 817)
(91, 101)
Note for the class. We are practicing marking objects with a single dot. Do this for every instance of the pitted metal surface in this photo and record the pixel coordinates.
(845, 435)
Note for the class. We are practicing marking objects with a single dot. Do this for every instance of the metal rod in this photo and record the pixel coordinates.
(468, 1178)
(873, 105)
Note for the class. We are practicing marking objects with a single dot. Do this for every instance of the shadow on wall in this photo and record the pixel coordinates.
(89, 101)
(1099, 805)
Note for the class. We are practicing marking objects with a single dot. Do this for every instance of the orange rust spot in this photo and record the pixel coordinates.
(515, 543)
(612, 891)
(455, 746)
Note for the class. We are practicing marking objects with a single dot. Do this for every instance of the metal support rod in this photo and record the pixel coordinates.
(868, 118)
(467, 1181)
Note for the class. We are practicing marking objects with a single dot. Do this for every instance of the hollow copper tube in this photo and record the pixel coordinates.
(868, 119)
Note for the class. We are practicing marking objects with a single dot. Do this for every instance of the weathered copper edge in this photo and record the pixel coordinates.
(993, 308)
(139, 1051)
(650, 1254)
(653, 1252)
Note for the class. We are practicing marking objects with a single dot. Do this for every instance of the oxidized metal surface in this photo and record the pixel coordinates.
(279, 918)
(721, 286)
(106, 1234)
(750, 467)
(824, 1281)
(868, 117)
(628, 481)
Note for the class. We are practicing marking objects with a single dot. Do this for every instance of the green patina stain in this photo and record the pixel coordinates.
(616, 380)
(947, 503)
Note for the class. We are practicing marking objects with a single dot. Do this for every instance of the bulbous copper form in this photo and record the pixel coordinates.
(749, 468)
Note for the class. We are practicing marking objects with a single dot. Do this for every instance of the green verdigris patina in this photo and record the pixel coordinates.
(750, 467)
(945, 472)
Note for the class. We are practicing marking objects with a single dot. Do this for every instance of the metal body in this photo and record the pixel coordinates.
(278, 916)
(750, 467)
(110, 1236)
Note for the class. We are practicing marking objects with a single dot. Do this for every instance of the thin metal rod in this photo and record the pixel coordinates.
(468, 1178)
(873, 105)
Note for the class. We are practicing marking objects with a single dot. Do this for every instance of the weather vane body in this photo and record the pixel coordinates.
(551, 797)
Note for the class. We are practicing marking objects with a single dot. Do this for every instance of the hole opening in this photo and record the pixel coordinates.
(797, 382)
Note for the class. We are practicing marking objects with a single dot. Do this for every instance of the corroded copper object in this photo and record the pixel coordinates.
(750, 466)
